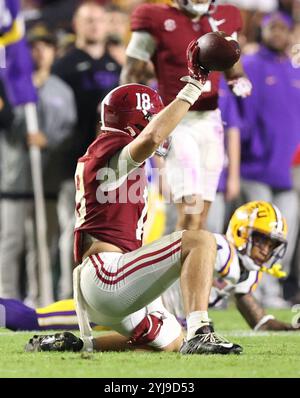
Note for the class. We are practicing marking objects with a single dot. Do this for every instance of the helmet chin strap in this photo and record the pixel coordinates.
(246, 259)
(104, 128)
(248, 263)
(131, 131)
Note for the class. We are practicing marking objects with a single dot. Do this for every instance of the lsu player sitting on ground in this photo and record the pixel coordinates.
(254, 243)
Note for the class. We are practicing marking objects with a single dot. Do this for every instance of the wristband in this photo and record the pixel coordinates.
(191, 91)
(263, 320)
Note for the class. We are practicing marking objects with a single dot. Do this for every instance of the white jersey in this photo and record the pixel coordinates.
(229, 278)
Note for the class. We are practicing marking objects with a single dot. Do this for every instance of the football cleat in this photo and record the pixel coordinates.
(65, 341)
(206, 341)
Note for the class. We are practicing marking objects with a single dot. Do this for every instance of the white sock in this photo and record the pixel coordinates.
(196, 320)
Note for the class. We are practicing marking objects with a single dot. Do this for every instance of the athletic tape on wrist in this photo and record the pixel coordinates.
(263, 320)
(190, 93)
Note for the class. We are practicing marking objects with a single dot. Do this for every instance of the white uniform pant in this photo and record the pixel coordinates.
(196, 157)
(119, 290)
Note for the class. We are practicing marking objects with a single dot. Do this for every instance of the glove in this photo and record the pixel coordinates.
(196, 71)
(241, 87)
(197, 75)
(65, 341)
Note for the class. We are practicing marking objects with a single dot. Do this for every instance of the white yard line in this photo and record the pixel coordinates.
(251, 333)
(8, 333)
(235, 333)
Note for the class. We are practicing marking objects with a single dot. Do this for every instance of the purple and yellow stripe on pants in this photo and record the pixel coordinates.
(256, 282)
(224, 271)
(59, 315)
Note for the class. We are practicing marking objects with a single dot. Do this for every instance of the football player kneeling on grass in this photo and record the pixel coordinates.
(236, 272)
(118, 281)
(254, 243)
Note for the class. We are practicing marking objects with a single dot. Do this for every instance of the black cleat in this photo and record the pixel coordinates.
(206, 341)
(65, 341)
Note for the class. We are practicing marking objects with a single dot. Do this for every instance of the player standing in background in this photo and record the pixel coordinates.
(119, 281)
(161, 33)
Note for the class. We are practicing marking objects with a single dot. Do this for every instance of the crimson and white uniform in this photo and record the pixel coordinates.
(117, 288)
(172, 32)
(162, 33)
(108, 214)
(230, 277)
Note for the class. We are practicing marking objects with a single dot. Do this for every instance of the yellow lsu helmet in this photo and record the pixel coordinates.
(262, 217)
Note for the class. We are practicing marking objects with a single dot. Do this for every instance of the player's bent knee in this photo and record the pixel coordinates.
(192, 222)
(197, 239)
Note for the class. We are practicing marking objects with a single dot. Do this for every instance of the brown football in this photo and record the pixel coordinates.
(218, 51)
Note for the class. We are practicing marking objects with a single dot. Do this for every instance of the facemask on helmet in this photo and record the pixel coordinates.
(198, 9)
(253, 222)
(129, 108)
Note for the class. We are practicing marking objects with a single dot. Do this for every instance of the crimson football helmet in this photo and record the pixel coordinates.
(129, 108)
(195, 8)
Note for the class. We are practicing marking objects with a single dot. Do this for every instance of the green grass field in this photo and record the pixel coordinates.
(265, 354)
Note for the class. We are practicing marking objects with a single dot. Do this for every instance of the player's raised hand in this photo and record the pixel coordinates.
(197, 73)
(214, 51)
